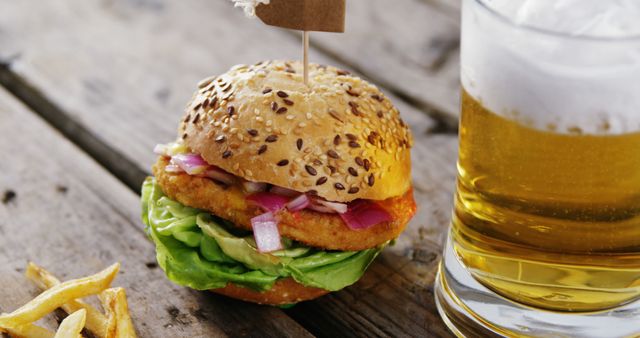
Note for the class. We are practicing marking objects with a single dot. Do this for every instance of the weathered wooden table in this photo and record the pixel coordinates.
(88, 88)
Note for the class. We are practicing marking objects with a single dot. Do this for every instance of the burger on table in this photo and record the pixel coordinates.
(277, 192)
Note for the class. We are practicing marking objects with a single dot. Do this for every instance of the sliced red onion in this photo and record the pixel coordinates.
(252, 187)
(219, 175)
(161, 149)
(321, 208)
(172, 168)
(340, 208)
(283, 191)
(192, 164)
(265, 232)
(362, 214)
(268, 201)
(299, 203)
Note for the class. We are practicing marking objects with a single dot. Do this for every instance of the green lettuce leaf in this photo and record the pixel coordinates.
(196, 249)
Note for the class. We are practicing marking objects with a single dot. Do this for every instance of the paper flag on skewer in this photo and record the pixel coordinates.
(305, 15)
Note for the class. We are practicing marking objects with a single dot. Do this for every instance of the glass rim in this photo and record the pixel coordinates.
(552, 33)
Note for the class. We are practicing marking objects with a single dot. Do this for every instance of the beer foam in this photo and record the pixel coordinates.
(589, 83)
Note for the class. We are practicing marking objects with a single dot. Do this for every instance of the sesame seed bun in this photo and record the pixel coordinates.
(338, 137)
(284, 291)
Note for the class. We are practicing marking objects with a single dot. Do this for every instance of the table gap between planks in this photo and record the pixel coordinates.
(113, 77)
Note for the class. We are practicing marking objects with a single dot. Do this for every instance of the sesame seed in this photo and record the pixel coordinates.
(332, 169)
(196, 118)
(354, 144)
(282, 110)
(252, 132)
(302, 125)
(184, 136)
(342, 72)
(376, 97)
(197, 106)
(333, 154)
(282, 94)
(354, 190)
(271, 138)
(205, 102)
(274, 106)
(372, 139)
(288, 102)
(311, 170)
(353, 104)
(317, 162)
(322, 180)
(379, 113)
(353, 172)
(231, 110)
(205, 82)
(371, 180)
(335, 115)
(339, 186)
(359, 161)
(355, 111)
(267, 91)
(282, 163)
(336, 140)
(351, 137)
(290, 117)
(299, 143)
(227, 154)
(221, 139)
(187, 118)
(367, 164)
(352, 93)
(214, 103)
(262, 149)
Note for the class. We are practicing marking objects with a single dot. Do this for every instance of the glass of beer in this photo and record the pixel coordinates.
(545, 235)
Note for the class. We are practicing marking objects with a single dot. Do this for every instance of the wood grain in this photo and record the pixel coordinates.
(409, 46)
(72, 217)
(118, 73)
(123, 71)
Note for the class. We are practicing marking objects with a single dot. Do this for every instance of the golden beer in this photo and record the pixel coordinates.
(549, 218)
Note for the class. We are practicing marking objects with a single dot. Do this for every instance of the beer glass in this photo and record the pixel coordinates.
(545, 235)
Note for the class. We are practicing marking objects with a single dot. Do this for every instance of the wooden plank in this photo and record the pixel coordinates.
(126, 81)
(63, 211)
(126, 93)
(408, 46)
(449, 7)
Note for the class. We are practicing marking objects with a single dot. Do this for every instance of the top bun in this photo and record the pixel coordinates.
(338, 137)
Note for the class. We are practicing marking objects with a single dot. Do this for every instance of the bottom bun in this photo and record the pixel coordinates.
(284, 291)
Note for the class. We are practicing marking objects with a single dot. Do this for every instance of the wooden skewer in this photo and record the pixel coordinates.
(305, 42)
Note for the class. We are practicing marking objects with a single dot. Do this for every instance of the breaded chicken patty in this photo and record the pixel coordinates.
(322, 230)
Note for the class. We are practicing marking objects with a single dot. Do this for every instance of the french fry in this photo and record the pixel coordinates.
(96, 322)
(28, 331)
(114, 301)
(58, 295)
(72, 325)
